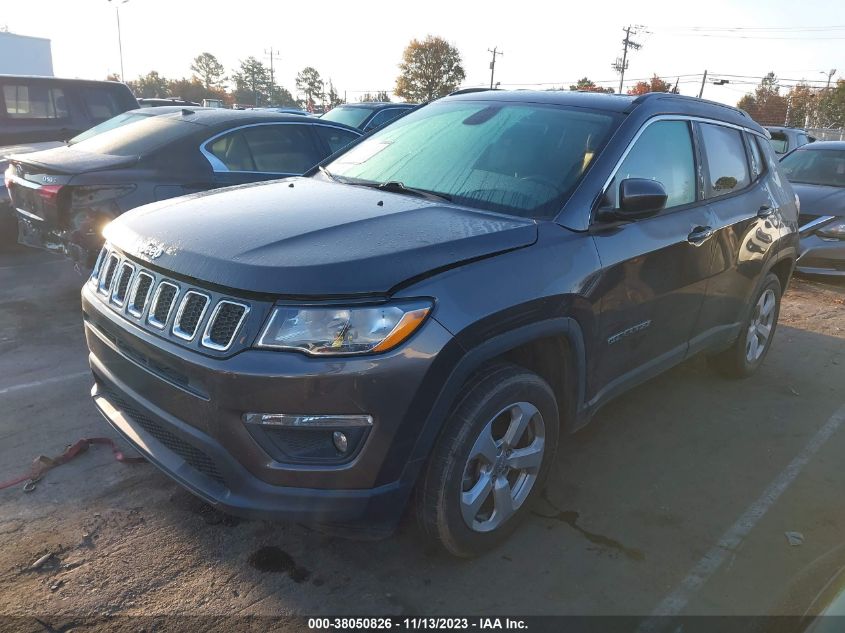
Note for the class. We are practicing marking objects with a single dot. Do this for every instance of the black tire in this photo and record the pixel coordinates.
(735, 362)
(508, 390)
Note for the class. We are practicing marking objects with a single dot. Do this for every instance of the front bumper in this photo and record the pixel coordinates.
(197, 435)
(820, 256)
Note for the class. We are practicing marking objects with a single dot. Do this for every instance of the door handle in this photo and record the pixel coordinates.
(699, 234)
(765, 211)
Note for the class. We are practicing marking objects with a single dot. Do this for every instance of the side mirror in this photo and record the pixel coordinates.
(640, 198)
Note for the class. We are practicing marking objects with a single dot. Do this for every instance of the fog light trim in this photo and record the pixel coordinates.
(307, 421)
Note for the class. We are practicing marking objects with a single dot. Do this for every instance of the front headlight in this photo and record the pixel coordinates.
(835, 229)
(330, 331)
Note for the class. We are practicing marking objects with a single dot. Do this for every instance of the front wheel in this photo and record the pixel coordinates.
(755, 339)
(491, 459)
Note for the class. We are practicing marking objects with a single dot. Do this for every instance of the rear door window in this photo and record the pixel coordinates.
(663, 153)
(335, 137)
(34, 101)
(725, 160)
(275, 149)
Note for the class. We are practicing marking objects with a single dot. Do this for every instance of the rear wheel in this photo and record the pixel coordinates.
(755, 339)
(491, 459)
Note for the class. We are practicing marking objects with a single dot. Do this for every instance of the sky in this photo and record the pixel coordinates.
(359, 45)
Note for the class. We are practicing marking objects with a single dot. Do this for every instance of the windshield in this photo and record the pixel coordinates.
(816, 167)
(105, 126)
(137, 137)
(348, 116)
(779, 141)
(522, 159)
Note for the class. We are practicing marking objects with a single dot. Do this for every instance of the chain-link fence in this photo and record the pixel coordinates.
(827, 134)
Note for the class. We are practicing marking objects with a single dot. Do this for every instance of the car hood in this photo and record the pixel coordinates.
(820, 199)
(306, 237)
(67, 160)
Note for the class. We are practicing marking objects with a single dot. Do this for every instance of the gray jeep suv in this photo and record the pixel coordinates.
(424, 314)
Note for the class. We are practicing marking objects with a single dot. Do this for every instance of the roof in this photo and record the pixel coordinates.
(60, 79)
(219, 116)
(783, 128)
(654, 102)
(837, 145)
(373, 105)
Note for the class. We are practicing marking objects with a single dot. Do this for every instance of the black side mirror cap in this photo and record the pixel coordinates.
(640, 198)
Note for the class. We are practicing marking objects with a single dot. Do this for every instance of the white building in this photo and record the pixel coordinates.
(25, 55)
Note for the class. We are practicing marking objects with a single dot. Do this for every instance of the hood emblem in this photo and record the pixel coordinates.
(151, 249)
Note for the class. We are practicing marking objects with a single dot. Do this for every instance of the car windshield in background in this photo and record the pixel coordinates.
(779, 142)
(353, 117)
(114, 122)
(136, 138)
(522, 159)
(816, 167)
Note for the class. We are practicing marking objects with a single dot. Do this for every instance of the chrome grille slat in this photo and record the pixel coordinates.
(140, 293)
(162, 304)
(104, 284)
(98, 265)
(224, 324)
(121, 285)
(190, 314)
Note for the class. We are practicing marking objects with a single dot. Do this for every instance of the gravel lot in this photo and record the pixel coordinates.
(663, 478)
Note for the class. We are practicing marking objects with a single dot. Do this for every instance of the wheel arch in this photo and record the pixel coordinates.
(534, 346)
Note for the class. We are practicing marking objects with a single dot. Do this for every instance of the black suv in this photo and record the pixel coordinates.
(428, 310)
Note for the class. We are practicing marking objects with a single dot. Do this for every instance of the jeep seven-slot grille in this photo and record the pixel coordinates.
(152, 300)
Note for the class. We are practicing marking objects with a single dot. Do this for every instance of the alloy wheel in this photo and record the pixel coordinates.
(502, 466)
(760, 327)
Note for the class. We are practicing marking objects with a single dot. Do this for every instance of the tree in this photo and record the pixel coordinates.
(429, 70)
(309, 82)
(282, 97)
(252, 83)
(332, 97)
(190, 90)
(381, 95)
(588, 85)
(831, 109)
(766, 105)
(208, 71)
(802, 101)
(656, 84)
(150, 85)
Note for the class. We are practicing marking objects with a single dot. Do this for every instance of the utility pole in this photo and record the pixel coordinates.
(621, 65)
(495, 50)
(829, 76)
(272, 75)
(703, 80)
(119, 41)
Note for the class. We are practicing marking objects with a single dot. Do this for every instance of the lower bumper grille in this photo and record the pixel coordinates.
(194, 457)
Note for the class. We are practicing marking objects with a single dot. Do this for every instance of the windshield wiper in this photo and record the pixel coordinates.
(328, 174)
(396, 186)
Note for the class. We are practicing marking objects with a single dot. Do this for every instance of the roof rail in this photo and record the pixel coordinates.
(671, 95)
(464, 91)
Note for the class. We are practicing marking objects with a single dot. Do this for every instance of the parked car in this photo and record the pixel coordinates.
(156, 102)
(428, 310)
(817, 174)
(64, 196)
(41, 112)
(369, 115)
(786, 139)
